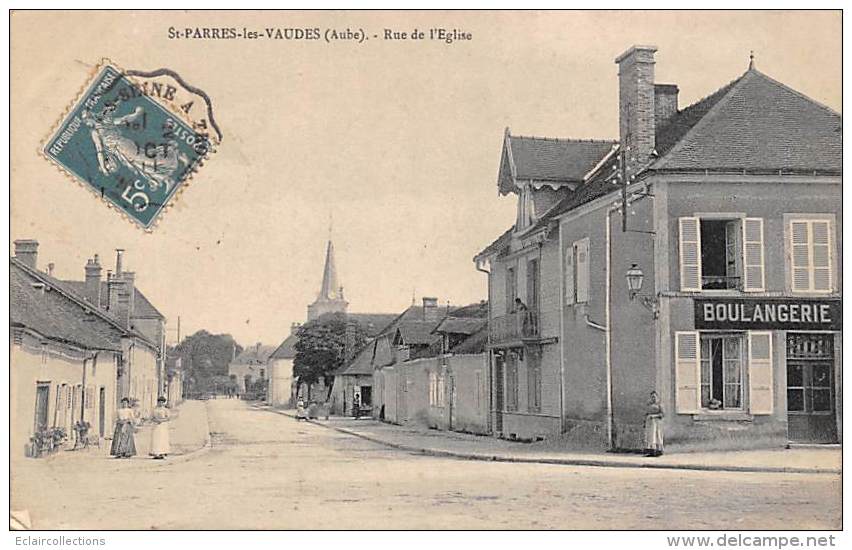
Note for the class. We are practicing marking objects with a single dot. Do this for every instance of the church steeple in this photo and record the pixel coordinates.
(330, 298)
(330, 289)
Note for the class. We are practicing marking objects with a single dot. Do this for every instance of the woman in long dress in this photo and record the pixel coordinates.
(160, 434)
(123, 442)
(654, 426)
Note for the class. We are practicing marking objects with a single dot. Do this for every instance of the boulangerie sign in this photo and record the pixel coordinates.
(768, 314)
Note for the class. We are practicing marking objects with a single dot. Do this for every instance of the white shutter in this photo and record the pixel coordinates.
(760, 372)
(582, 248)
(821, 255)
(800, 279)
(690, 254)
(569, 275)
(687, 372)
(753, 258)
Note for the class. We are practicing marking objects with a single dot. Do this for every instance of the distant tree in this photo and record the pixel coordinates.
(205, 356)
(323, 346)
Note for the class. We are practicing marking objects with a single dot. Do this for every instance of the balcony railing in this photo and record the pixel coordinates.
(520, 325)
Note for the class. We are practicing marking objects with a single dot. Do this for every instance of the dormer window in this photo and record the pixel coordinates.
(526, 208)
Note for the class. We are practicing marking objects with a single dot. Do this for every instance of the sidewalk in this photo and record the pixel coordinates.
(814, 460)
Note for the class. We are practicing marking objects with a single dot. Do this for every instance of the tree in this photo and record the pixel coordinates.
(323, 346)
(205, 356)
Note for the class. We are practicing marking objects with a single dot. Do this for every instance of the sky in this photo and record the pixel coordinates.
(397, 141)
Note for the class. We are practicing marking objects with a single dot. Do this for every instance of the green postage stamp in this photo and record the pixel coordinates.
(135, 139)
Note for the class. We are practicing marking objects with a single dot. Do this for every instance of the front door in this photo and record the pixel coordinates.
(499, 361)
(102, 411)
(41, 405)
(811, 416)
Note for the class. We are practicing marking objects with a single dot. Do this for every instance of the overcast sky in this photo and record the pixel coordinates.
(399, 141)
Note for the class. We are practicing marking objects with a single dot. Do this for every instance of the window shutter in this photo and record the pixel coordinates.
(800, 279)
(569, 275)
(687, 372)
(690, 254)
(760, 372)
(582, 270)
(753, 258)
(821, 255)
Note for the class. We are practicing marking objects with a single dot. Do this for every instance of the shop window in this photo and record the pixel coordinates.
(721, 254)
(721, 371)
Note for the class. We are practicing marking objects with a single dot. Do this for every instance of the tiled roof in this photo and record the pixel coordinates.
(287, 348)
(372, 323)
(417, 332)
(460, 325)
(548, 159)
(361, 364)
(142, 307)
(476, 343)
(756, 123)
(254, 355)
(499, 244)
(53, 315)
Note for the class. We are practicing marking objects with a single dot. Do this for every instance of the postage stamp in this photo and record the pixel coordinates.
(131, 141)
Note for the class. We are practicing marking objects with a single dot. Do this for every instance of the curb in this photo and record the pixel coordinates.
(598, 463)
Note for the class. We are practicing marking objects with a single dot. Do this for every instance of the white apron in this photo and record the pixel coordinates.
(160, 434)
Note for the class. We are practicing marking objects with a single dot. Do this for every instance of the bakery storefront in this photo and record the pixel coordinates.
(747, 348)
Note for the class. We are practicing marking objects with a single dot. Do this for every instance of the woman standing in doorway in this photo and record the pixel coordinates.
(654, 426)
(123, 442)
(160, 433)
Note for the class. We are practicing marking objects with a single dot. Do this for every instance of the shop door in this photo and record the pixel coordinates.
(811, 416)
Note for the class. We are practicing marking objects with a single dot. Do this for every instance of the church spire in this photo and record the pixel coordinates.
(330, 298)
(330, 289)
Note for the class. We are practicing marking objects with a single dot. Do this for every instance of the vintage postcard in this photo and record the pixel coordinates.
(427, 270)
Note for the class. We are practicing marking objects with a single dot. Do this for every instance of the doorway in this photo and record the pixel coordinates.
(499, 364)
(42, 404)
(102, 411)
(811, 416)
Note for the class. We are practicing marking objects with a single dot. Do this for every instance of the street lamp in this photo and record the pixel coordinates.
(635, 278)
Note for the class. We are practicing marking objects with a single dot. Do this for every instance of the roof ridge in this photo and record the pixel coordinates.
(566, 140)
(796, 92)
(69, 294)
(726, 91)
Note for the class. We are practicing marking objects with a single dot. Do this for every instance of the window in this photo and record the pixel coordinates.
(511, 289)
(721, 371)
(710, 371)
(533, 383)
(512, 381)
(532, 284)
(441, 398)
(721, 254)
(811, 255)
(477, 395)
(577, 272)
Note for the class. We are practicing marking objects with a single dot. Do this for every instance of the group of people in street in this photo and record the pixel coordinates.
(126, 427)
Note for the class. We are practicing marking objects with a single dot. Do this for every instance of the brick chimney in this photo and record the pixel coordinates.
(430, 309)
(26, 251)
(636, 105)
(93, 280)
(665, 103)
(129, 278)
(118, 298)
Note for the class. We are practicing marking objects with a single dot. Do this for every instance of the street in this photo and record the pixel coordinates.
(267, 471)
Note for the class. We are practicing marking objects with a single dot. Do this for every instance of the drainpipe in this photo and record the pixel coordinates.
(488, 376)
(561, 333)
(607, 322)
